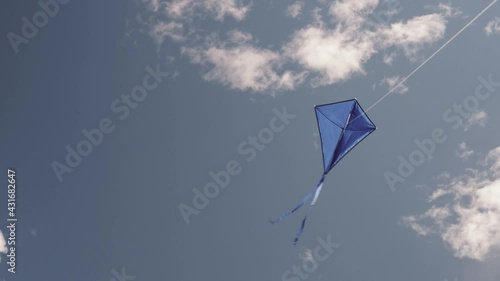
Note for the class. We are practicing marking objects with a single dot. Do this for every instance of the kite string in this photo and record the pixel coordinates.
(428, 59)
(433, 55)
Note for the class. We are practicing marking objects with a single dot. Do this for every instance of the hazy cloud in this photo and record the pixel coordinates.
(306, 255)
(323, 52)
(333, 54)
(239, 65)
(468, 219)
(479, 118)
(463, 151)
(352, 13)
(295, 9)
(217, 9)
(336, 54)
(162, 30)
(412, 35)
(446, 9)
(395, 82)
(493, 27)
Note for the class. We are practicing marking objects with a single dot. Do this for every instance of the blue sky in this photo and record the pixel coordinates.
(155, 139)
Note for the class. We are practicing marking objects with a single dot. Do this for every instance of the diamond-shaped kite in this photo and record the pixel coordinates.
(342, 125)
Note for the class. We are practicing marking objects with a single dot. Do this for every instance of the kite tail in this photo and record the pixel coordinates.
(302, 226)
(306, 198)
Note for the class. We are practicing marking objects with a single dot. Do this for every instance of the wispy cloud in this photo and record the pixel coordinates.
(153, 5)
(173, 19)
(239, 65)
(395, 81)
(478, 118)
(333, 55)
(217, 9)
(468, 220)
(333, 48)
(389, 58)
(446, 9)
(352, 13)
(306, 255)
(295, 9)
(161, 30)
(463, 151)
(337, 53)
(411, 36)
(445, 175)
(493, 27)
(239, 37)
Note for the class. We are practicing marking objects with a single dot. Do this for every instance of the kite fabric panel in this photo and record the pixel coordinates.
(342, 125)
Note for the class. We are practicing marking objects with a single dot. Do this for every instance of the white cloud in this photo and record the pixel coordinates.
(317, 18)
(479, 118)
(389, 58)
(242, 66)
(446, 9)
(154, 5)
(445, 175)
(306, 255)
(175, 75)
(170, 19)
(334, 54)
(162, 30)
(352, 13)
(395, 82)
(218, 9)
(469, 221)
(325, 52)
(463, 151)
(493, 158)
(295, 9)
(3, 244)
(493, 27)
(389, 9)
(239, 37)
(413, 34)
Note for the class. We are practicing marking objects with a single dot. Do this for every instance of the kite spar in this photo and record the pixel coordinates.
(342, 125)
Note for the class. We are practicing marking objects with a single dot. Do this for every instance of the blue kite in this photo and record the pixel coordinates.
(342, 125)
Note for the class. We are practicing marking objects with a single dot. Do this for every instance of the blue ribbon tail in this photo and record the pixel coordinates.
(304, 200)
(301, 229)
(317, 191)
